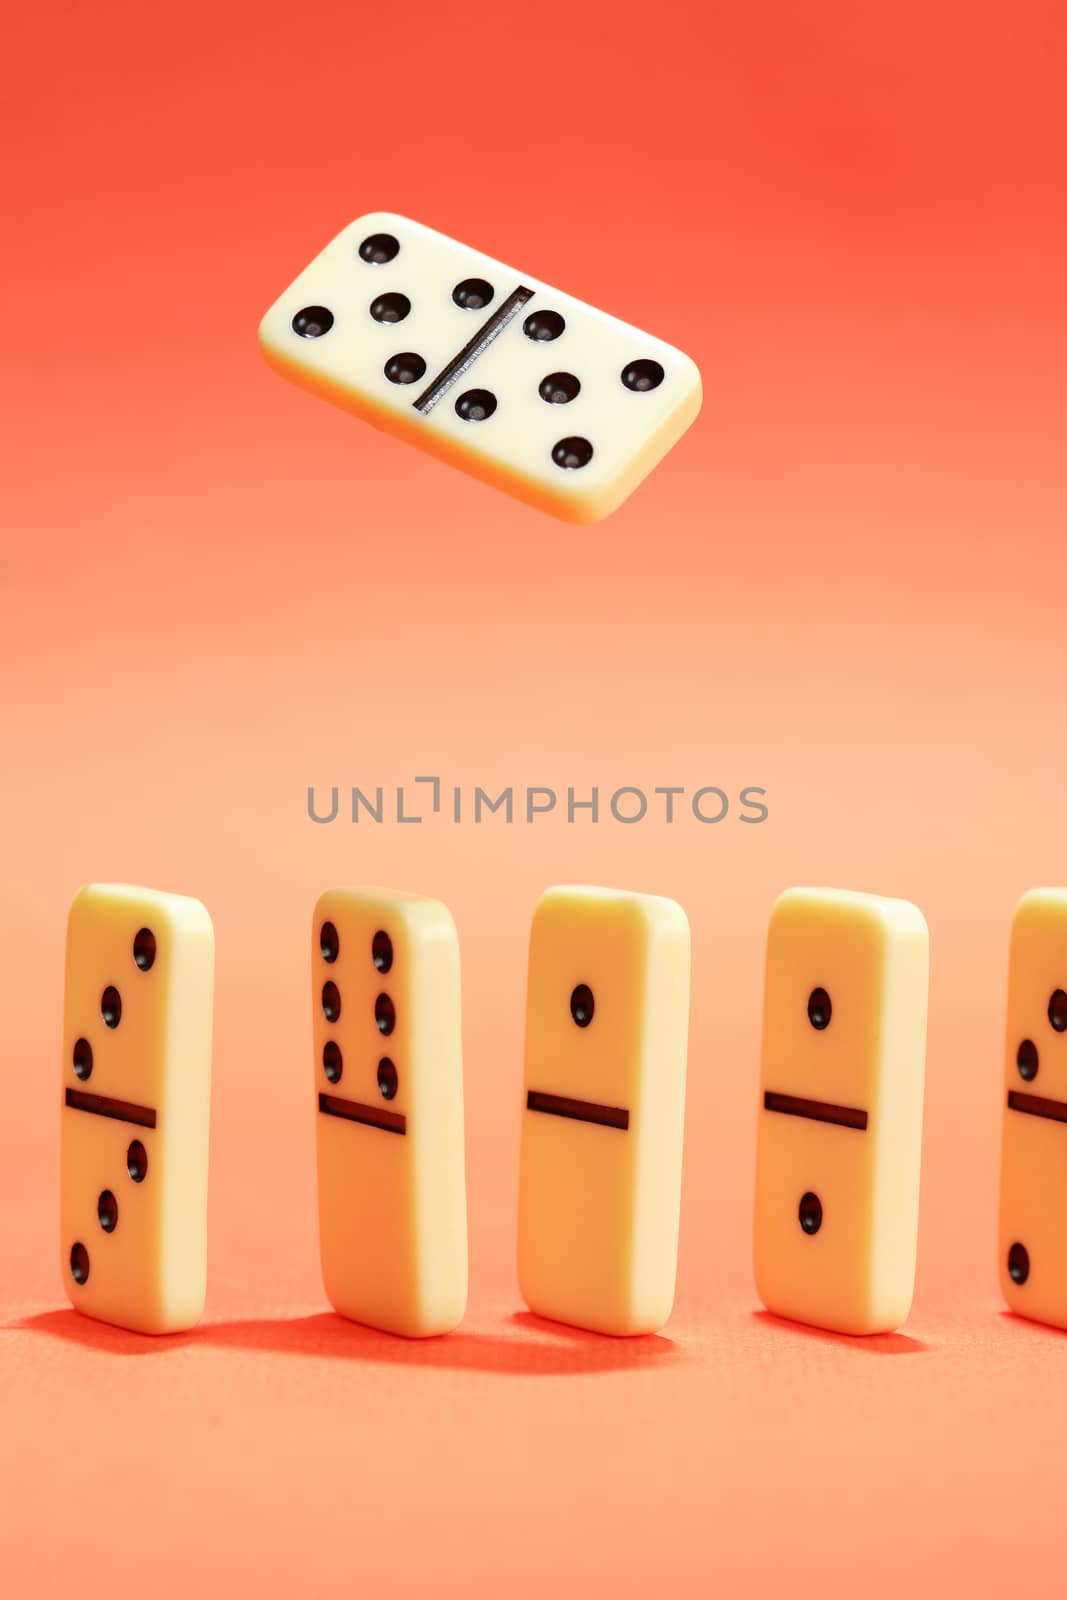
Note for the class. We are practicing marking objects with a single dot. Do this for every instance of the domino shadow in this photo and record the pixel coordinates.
(872, 1344)
(71, 1327)
(535, 1347)
(1015, 1319)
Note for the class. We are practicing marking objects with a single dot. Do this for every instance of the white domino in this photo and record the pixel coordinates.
(532, 390)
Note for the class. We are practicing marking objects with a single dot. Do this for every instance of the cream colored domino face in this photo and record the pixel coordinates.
(549, 399)
(389, 1110)
(1033, 1179)
(840, 1118)
(136, 1106)
(603, 1108)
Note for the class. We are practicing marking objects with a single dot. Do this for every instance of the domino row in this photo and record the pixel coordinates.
(840, 1109)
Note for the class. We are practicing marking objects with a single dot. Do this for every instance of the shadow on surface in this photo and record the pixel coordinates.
(92, 1335)
(873, 1344)
(1032, 1324)
(536, 1347)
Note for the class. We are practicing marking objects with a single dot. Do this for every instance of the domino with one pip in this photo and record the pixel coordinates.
(840, 1118)
(532, 390)
(389, 1100)
(136, 1107)
(603, 1108)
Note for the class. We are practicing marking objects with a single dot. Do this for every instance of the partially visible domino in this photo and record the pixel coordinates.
(530, 389)
(1033, 1178)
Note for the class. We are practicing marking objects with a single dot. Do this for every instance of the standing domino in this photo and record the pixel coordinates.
(389, 1103)
(840, 1120)
(136, 1106)
(488, 368)
(604, 1108)
(1033, 1181)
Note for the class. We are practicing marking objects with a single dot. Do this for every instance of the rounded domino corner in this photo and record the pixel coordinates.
(1037, 901)
(438, 1321)
(402, 1321)
(880, 912)
(636, 1321)
(583, 507)
(664, 914)
(650, 913)
(180, 912)
(265, 333)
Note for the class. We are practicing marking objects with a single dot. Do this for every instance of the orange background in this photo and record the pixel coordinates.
(846, 585)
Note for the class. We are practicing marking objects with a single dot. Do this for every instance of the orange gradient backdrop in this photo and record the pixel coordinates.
(845, 585)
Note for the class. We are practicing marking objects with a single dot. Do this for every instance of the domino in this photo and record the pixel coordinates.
(136, 1107)
(1033, 1178)
(603, 1109)
(389, 1110)
(840, 1116)
(486, 367)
